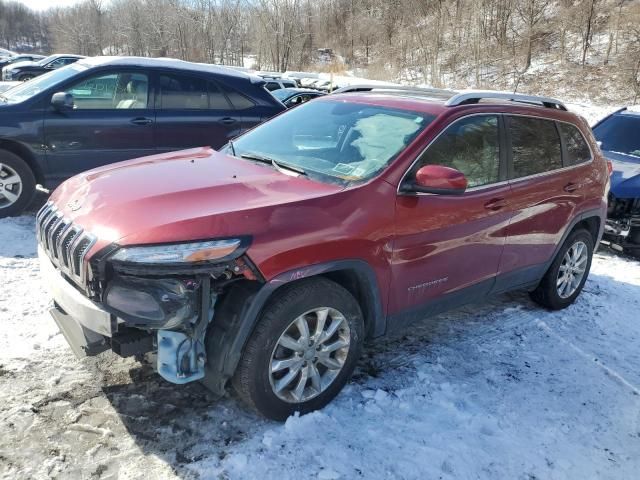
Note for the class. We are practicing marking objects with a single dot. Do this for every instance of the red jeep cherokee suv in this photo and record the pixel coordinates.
(268, 264)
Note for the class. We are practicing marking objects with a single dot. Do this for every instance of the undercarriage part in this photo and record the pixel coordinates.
(182, 354)
(131, 342)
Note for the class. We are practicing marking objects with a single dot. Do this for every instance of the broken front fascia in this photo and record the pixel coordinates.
(175, 303)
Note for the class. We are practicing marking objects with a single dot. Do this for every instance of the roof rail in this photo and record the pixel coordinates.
(400, 89)
(467, 98)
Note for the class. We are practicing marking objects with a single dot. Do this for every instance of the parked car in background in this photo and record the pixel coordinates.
(266, 265)
(4, 53)
(619, 138)
(23, 57)
(23, 71)
(299, 77)
(272, 83)
(292, 97)
(107, 109)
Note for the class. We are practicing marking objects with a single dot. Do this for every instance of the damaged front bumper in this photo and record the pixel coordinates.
(90, 328)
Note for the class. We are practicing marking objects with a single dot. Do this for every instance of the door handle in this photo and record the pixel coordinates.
(495, 204)
(571, 187)
(228, 121)
(142, 121)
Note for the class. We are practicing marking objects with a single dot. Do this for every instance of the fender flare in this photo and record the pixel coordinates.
(598, 213)
(240, 313)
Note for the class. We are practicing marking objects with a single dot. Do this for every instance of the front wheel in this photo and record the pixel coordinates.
(568, 273)
(17, 184)
(303, 350)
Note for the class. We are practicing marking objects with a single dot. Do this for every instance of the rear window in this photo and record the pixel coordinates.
(238, 100)
(577, 148)
(535, 146)
(183, 92)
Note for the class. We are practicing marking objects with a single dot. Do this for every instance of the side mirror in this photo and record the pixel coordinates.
(440, 180)
(62, 101)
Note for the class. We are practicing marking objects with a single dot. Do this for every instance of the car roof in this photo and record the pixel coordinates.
(171, 63)
(67, 55)
(436, 102)
(632, 111)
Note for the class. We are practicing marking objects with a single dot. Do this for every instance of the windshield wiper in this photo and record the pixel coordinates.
(277, 164)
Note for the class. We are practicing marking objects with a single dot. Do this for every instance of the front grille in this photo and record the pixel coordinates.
(65, 244)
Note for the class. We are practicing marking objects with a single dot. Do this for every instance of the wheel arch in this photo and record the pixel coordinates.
(239, 310)
(25, 154)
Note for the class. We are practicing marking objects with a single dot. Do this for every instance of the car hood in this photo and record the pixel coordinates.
(180, 196)
(625, 178)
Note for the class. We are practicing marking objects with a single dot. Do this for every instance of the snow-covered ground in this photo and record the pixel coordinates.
(502, 390)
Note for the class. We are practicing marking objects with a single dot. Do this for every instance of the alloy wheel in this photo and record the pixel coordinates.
(309, 355)
(572, 269)
(10, 186)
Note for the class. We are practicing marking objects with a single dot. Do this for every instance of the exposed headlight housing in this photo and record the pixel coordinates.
(182, 253)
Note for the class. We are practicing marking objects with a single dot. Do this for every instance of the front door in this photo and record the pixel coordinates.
(448, 247)
(193, 112)
(111, 121)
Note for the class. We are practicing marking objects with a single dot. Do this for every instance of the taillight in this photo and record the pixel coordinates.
(610, 166)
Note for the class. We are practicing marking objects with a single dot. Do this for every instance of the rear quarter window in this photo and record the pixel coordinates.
(576, 146)
(535, 146)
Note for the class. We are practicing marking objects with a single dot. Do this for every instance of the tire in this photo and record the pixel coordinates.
(549, 292)
(254, 380)
(11, 166)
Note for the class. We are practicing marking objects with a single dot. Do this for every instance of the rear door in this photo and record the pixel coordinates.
(192, 111)
(112, 121)
(544, 198)
(448, 247)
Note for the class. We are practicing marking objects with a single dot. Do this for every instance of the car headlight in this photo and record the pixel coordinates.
(181, 253)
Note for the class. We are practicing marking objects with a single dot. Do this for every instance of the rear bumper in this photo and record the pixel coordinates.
(84, 324)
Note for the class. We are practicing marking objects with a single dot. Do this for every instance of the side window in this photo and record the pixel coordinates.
(238, 100)
(577, 148)
(470, 145)
(179, 92)
(271, 86)
(217, 99)
(111, 91)
(535, 146)
(57, 63)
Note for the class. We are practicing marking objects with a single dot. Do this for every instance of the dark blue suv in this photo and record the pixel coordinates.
(106, 109)
(619, 138)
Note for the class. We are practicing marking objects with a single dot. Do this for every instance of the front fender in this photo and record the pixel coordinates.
(237, 316)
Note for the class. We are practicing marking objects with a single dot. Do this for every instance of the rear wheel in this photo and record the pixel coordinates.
(303, 350)
(17, 184)
(568, 273)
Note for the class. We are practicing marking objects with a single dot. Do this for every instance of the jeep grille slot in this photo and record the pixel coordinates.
(65, 244)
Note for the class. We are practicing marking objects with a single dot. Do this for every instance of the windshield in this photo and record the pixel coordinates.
(620, 134)
(334, 141)
(43, 82)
